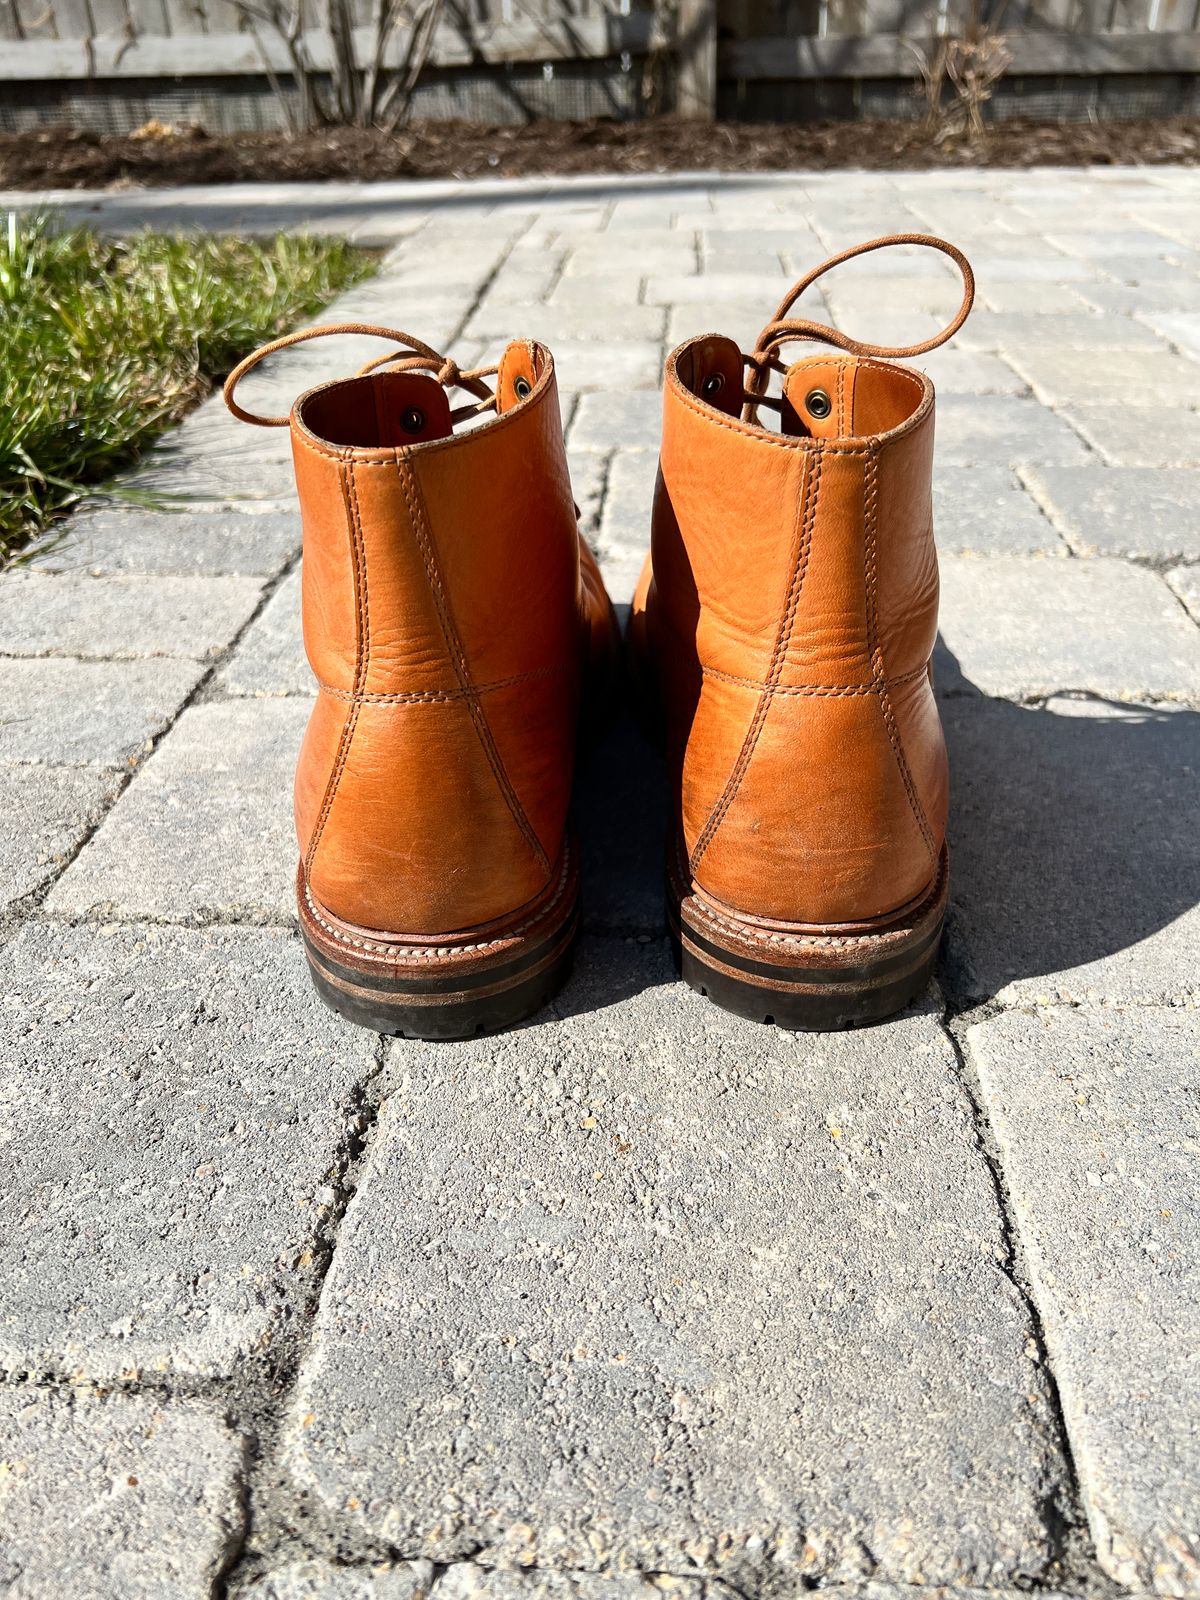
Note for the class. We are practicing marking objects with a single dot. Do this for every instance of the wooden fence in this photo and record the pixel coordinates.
(57, 56)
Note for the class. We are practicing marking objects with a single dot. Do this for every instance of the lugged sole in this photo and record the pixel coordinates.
(479, 981)
(804, 979)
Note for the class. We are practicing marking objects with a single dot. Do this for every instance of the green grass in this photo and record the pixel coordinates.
(104, 343)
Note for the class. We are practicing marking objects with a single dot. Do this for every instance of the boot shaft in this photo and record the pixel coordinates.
(441, 584)
(791, 617)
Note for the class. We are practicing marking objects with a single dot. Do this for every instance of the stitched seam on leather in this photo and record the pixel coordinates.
(373, 697)
(313, 445)
(806, 510)
(362, 648)
(420, 526)
(814, 688)
(812, 446)
(438, 952)
(876, 654)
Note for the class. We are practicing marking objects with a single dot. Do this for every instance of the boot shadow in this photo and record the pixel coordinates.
(1073, 839)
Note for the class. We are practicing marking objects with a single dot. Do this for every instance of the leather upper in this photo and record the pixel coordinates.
(787, 613)
(451, 613)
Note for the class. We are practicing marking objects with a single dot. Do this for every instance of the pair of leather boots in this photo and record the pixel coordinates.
(457, 624)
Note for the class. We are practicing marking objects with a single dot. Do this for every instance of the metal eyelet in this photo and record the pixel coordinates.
(523, 388)
(818, 404)
(413, 420)
(712, 385)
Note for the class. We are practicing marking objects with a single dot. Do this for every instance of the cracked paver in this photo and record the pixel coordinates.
(675, 1250)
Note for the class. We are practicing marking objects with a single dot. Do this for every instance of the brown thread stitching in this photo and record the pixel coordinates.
(798, 442)
(362, 646)
(876, 654)
(316, 446)
(814, 688)
(374, 697)
(416, 512)
(806, 511)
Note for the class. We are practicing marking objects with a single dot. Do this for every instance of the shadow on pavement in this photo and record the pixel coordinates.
(1073, 836)
(1073, 832)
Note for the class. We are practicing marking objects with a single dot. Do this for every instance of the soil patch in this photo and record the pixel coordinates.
(66, 158)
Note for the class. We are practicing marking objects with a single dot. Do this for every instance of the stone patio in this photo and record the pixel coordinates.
(639, 1300)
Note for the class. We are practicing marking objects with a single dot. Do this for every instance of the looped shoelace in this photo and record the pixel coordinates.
(782, 329)
(416, 356)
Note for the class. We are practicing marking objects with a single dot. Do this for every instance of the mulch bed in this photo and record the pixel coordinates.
(66, 158)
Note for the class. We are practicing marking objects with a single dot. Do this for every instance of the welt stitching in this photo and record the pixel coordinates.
(436, 952)
(362, 646)
(416, 514)
(805, 516)
(375, 697)
(876, 653)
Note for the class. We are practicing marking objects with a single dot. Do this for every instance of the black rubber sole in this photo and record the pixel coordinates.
(833, 983)
(478, 981)
(433, 1015)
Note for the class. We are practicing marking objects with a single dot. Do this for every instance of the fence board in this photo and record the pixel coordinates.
(236, 55)
(890, 57)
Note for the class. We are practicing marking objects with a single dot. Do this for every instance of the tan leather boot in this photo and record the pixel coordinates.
(453, 618)
(786, 617)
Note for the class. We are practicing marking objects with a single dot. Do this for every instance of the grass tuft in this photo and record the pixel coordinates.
(104, 343)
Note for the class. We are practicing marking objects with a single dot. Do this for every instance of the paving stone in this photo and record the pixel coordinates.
(115, 1498)
(206, 828)
(1180, 328)
(712, 290)
(1043, 299)
(739, 320)
(968, 372)
(1095, 1113)
(1029, 625)
(608, 364)
(554, 325)
(631, 1286)
(625, 522)
(213, 457)
(1016, 332)
(599, 288)
(44, 813)
(463, 1580)
(323, 1580)
(1186, 583)
(620, 809)
(199, 1094)
(88, 711)
(1123, 511)
(986, 511)
(1076, 866)
(987, 430)
(270, 659)
(66, 614)
(589, 477)
(116, 541)
(1115, 377)
(1122, 299)
(1028, 268)
(1140, 436)
(632, 422)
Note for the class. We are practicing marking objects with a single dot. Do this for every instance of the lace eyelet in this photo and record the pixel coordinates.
(712, 385)
(522, 388)
(413, 420)
(818, 404)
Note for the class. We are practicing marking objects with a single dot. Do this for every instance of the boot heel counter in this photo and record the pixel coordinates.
(832, 821)
(409, 831)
